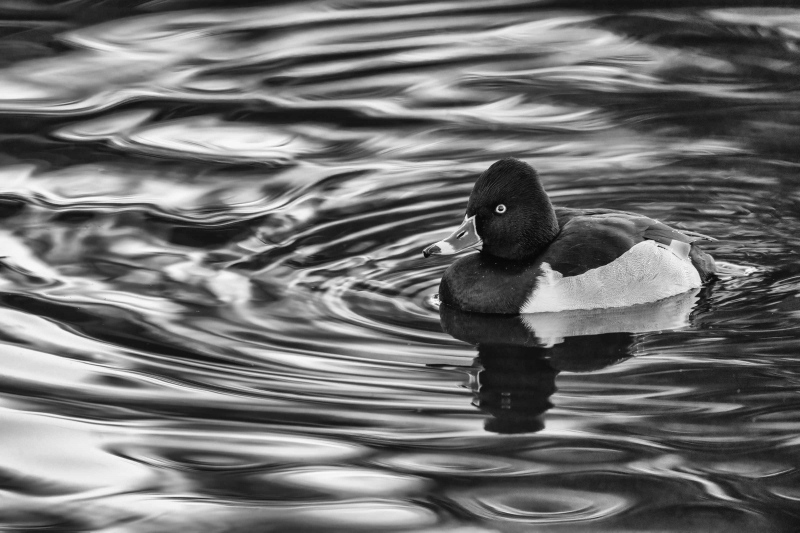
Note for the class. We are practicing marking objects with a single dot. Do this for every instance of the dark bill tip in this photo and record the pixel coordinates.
(431, 250)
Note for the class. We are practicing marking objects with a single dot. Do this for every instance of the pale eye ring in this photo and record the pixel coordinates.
(500, 209)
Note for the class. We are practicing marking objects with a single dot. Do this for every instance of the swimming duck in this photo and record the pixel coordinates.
(536, 258)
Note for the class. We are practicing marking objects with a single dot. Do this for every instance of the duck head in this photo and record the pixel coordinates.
(509, 216)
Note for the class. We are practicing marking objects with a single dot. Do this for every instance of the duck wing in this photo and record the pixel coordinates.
(565, 214)
(592, 238)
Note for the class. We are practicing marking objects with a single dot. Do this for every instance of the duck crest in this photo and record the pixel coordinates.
(527, 224)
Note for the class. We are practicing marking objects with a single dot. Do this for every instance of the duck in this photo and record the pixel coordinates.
(536, 258)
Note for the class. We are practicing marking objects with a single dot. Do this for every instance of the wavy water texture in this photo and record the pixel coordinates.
(215, 312)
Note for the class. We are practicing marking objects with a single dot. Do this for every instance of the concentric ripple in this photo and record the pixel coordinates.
(215, 314)
(548, 506)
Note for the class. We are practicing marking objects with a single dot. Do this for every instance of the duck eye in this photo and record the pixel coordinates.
(500, 209)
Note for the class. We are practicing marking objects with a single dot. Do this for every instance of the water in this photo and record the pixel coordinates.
(216, 316)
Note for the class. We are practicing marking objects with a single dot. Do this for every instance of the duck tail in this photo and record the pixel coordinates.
(704, 263)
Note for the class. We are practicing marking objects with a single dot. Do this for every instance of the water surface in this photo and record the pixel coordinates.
(216, 316)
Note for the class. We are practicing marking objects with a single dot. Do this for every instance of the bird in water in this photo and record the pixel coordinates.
(537, 258)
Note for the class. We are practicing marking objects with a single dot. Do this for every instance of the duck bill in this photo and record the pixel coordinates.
(464, 238)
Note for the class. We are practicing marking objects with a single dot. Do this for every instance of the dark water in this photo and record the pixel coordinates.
(216, 317)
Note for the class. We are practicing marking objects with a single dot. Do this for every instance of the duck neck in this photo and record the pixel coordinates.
(531, 240)
(544, 233)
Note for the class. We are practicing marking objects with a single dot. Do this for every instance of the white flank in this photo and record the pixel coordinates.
(646, 273)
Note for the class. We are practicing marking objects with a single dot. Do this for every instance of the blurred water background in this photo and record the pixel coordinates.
(214, 312)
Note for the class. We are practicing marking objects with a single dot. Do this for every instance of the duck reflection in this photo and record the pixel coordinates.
(520, 356)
